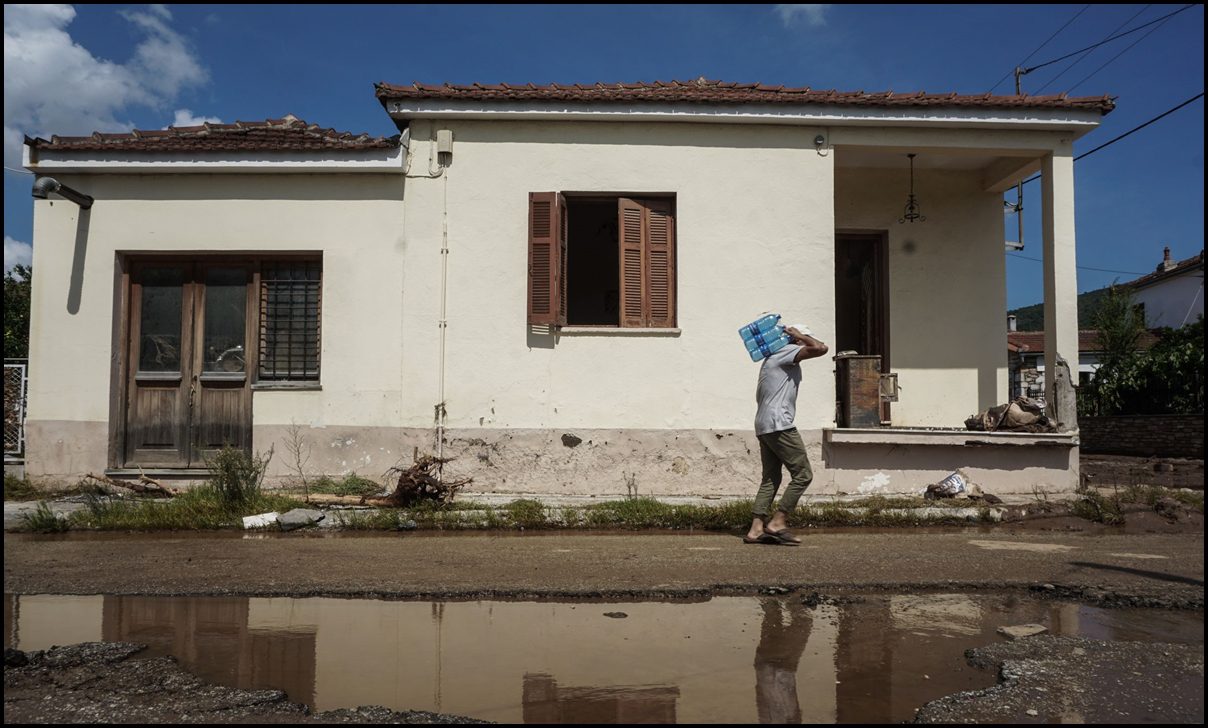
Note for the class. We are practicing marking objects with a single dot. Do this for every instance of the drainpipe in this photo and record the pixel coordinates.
(444, 322)
(443, 142)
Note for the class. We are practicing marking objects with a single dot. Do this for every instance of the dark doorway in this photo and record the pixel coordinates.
(862, 297)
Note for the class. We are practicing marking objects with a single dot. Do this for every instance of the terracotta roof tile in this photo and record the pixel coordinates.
(288, 134)
(704, 90)
(1032, 342)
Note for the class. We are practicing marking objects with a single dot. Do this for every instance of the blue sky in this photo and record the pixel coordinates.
(75, 69)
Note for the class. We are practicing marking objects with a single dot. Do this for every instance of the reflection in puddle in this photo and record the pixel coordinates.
(729, 659)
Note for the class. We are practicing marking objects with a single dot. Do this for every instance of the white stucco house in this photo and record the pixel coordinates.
(546, 283)
(1173, 295)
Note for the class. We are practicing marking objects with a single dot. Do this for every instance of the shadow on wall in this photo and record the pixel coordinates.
(540, 337)
(75, 289)
(937, 458)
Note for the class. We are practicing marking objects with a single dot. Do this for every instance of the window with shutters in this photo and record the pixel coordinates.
(606, 261)
(290, 293)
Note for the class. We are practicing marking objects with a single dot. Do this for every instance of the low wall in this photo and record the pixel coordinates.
(1145, 435)
(598, 462)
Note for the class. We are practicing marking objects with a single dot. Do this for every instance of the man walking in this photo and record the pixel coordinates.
(780, 444)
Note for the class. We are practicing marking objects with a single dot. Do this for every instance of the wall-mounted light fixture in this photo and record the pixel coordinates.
(44, 186)
(912, 206)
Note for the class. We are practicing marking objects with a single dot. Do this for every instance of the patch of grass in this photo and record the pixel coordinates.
(1095, 507)
(378, 519)
(43, 520)
(1151, 494)
(642, 513)
(527, 514)
(18, 489)
(351, 484)
(201, 508)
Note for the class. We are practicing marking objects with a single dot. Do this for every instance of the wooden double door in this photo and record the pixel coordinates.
(189, 355)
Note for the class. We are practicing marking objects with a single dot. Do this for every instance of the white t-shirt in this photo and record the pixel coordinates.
(776, 394)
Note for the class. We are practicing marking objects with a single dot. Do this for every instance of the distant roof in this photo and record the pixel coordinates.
(705, 91)
(1178, 268)
(1032, 342)
(287, 134)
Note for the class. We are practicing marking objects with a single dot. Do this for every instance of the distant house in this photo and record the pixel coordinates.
(1025, 359)
(546, 283)
(1173, 295)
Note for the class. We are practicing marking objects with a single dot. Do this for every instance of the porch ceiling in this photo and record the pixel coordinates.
(1000, 168)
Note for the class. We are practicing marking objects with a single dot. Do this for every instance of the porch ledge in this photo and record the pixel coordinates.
(616, 331)
(950, 438)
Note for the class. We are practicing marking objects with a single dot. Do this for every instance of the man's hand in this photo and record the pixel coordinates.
(811, 348)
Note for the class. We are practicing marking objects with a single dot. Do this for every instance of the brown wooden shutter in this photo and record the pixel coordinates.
(563, 257)
(631, 215)
(660, 264)
(545, 259)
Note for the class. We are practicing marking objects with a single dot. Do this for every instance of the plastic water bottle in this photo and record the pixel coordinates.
(760, 326)
(764, 336)
(764, 345)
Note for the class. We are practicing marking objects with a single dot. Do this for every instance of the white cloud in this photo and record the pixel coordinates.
(53, 85)
(185, 117)
(814, 15)
(16, 253)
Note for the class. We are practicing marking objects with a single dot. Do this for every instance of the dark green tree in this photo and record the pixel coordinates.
(16, 311)
(1167, 379)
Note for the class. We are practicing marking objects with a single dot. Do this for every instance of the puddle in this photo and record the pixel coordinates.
(722, 660)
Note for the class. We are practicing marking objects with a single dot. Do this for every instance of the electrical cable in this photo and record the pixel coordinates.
(1042, 45)
(1198, 96)
(1126, 50)
(1082, 267)
(1085, 55)
(1108, 40)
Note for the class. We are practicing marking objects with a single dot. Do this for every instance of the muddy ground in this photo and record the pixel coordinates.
(1045, 679)
(99, 682)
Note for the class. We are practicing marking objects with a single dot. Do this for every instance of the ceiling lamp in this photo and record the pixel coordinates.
(912, 206)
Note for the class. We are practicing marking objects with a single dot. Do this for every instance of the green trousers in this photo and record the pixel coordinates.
(779, 450)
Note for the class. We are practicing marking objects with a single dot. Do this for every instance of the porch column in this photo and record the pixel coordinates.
(1060, 288)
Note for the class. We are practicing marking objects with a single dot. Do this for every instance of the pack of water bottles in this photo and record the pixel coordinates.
(764, 336)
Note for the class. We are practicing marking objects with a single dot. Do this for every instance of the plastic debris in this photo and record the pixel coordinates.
(260, 521)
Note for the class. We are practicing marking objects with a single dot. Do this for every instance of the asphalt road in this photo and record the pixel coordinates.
(1165, 567)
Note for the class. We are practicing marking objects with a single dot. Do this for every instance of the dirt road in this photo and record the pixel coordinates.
(1151, 569)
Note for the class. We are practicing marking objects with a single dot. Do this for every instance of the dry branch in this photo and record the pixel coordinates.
(421, 482)
(144, 485)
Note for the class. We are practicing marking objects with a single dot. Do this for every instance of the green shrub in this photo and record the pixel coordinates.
(237, 476)
(44, 520)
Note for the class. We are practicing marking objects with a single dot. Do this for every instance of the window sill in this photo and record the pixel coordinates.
(614, 331)
(287, 387)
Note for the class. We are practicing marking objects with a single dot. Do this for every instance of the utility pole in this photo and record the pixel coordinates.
(1019, 72)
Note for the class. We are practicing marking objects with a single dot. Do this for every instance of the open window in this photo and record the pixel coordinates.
(598, 260)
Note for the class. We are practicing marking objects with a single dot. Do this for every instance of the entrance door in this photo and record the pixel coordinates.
(862, 297)
(187, 393)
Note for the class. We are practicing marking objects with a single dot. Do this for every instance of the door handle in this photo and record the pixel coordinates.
(192, 390)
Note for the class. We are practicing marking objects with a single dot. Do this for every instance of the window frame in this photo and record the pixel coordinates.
(562, 202)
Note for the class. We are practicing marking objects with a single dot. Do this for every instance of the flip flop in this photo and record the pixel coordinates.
(764, 538)
(784, 537)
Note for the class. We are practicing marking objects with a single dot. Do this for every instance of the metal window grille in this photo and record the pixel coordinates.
(15, 386)
(289, 320)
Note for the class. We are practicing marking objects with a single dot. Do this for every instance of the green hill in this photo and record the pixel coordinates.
(1031, 318)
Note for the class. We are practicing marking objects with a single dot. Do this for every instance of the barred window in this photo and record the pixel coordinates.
(289, 320)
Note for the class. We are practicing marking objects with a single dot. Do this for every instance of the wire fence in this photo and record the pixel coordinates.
(16, 383)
